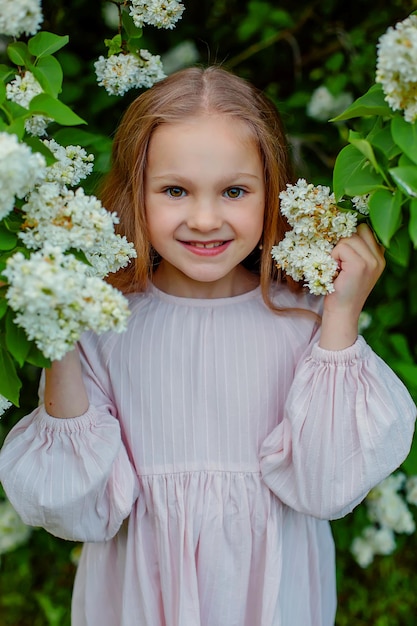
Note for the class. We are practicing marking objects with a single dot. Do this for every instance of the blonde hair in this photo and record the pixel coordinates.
(187, 93)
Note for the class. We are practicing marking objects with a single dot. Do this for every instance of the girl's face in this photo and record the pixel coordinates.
(205, 198)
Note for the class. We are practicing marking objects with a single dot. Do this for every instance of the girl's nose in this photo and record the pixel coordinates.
(204, 216)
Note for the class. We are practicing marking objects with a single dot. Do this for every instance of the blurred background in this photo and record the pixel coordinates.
(312, 59)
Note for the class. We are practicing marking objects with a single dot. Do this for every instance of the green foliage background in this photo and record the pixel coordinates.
(287, 49)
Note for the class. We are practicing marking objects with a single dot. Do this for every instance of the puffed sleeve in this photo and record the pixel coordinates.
(348, 423)
(71, 476)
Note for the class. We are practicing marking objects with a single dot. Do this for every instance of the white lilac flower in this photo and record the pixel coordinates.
(362, 551)
(22, 90)
(4, 404)
(13, 532)
(159, 13)
(387, 507)
(411, 490)
(73, 164)
(110, 13)
(71, 219)
(317, 225)
(121, 72)
(18, 17)
(323, 105)
(20, 171)
(396, 68)
(361, 203)
(55, 300)
(182, 55)
(301, 259)
(365, 320)
(373, 540)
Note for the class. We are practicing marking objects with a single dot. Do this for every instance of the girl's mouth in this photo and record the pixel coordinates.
(210, 244)
(206, 248)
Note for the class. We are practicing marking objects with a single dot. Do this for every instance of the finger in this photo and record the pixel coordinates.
(365, 245)
(366, 233)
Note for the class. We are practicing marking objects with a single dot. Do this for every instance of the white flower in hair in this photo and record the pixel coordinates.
(121, 72)
(55, 300)
(20, 171)
(396, 68)
(18, 17)
(22, 90)
(317, 225)
(159, 13)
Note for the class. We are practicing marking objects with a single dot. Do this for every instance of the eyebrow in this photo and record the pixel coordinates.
(179, 178)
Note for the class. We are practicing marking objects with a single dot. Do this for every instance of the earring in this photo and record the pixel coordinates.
(260, 246)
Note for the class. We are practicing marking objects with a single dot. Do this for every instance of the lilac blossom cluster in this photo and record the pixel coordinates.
(389, 514)
(317, 225)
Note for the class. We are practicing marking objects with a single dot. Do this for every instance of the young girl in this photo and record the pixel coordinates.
(199, 454)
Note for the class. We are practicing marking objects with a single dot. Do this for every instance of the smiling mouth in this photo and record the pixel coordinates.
(210, 244)
(207, 248)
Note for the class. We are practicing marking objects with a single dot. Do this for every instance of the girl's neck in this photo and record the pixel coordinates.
(236, 283)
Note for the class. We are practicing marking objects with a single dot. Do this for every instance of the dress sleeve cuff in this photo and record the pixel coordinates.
(358, 351)
(66, 424)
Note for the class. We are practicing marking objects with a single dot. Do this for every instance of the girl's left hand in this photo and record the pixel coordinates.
(361, 262)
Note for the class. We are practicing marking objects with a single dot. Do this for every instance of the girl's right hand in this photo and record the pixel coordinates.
(65, 393)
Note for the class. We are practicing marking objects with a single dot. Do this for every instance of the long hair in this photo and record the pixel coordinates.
(184, 94)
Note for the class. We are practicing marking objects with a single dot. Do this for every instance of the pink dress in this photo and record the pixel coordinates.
(219, 440)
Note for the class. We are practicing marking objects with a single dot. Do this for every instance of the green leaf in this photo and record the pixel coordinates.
(44, 43)
(18, 53)
(405, 136)
(404, 161)
(132, 31)
(3, 306)
(371, 103)
(37, 145)
(16, 339)
(385, 213)
(412, 224)
(410, 463)
(77, 136)
(49, 74)
(380, 137)
(13, 222)
(2, 92)
(134, 45)
(353, 174)
(8, 240)
(6, 72)
(364, 147)
(10, 383)
(406, 179)
(114, 45)
(17, 127)
(400, 346)
(399, 250)
(15, 110)
(44, 104)
(35, 357)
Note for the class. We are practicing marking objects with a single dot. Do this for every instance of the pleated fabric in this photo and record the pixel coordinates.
(219, 440)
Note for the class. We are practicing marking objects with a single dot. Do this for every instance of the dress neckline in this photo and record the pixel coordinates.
(203, 302)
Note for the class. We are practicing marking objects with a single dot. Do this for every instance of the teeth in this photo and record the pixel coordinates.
(215, 244)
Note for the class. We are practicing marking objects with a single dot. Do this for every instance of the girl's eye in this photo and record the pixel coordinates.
(234, 193)
(175, 192)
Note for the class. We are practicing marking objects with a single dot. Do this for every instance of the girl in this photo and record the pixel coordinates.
(199, 454)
